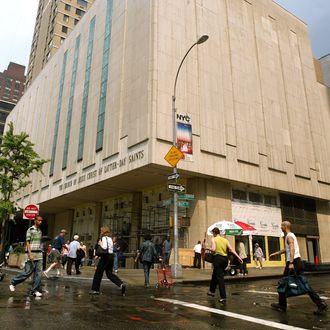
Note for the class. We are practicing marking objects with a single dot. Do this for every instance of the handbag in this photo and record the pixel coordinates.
(209, 256)
(100, 252)
(293, 285)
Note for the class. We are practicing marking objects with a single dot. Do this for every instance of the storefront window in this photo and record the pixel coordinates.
(261, 241)
(240, 195)
(255, 198)
(273, 246)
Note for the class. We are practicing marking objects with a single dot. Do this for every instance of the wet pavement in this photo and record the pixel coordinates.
(67, 305)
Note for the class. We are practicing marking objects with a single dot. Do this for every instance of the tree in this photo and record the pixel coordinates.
(18, 161)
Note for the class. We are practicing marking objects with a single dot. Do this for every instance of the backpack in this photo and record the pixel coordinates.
(148, 252)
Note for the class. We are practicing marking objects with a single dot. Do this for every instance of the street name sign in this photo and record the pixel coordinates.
(174, 176)
(30, 211)
(173, 156)
(184, 205)
(175, 187)
(187, 197)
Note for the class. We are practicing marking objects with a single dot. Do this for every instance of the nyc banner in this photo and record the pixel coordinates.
(184, 135)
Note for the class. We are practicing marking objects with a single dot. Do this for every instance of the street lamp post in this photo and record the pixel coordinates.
(177, 268)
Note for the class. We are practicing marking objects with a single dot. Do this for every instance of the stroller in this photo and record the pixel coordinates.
(233, 266)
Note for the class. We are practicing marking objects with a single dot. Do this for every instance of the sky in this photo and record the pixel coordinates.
(17, 29)
(316, 13)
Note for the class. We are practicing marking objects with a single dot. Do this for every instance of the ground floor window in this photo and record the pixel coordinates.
(273, 246)
(261, 240)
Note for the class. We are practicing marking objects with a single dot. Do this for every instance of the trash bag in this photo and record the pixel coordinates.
(293, 286)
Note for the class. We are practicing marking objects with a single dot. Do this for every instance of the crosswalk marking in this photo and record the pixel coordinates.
(275, 293)
(230, 314)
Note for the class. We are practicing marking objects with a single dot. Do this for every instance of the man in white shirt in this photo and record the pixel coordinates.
(72, 255)
(294, 263)
(198, 255)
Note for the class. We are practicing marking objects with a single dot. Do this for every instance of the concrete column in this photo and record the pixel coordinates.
(135, 221)
(64, 220)
(323, 218)
(212, 203)
(97, 222)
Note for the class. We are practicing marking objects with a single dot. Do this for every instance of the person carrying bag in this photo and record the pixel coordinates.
(220, 246)
(105, 251)
(296, 284)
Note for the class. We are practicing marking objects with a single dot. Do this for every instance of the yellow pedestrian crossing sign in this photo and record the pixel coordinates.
(173, 156)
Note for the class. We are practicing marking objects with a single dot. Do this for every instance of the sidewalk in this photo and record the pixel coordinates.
(136, 276)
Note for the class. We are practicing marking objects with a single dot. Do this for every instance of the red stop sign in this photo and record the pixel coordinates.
(30, 211)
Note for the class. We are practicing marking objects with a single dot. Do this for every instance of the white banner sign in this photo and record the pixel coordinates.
(265, 219)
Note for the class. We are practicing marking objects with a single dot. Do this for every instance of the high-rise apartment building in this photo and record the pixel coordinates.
(55, 20)
(12, 81)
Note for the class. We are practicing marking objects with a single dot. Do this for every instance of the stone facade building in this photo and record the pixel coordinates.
(100, 110)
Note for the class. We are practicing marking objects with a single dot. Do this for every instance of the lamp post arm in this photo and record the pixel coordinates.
(177, 74)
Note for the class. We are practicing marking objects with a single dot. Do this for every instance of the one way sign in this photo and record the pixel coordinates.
(176, 187)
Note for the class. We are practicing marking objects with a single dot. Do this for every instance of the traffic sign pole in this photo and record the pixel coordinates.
(177, 268)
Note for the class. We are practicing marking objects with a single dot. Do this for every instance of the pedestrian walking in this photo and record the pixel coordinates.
(55, 262)
(198, 255)
(147, 255)
(294, 264)
(65, 252)
(243, 256)
(258, 256)
(167, 247)
(106, 264)
(220, 246)
(59, 241)
(33, 265)
(81, 254)
(72, 256)
(90, 255)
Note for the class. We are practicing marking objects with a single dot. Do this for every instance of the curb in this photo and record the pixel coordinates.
(178, 281)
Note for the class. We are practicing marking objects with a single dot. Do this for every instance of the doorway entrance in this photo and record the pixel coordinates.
(313, 250)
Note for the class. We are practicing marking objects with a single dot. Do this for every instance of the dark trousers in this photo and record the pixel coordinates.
(69, 265)
(219, 265)
(197, 260)
(64, 260)
(105, 264)
(298, 267)
(146, 268)
(243, 267)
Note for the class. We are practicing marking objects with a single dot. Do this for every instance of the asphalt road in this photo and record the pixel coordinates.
(67, 305)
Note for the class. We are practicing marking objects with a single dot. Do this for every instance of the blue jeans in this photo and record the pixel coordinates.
(115, 261)
(146, 267)
(31, 267)
(166, 258)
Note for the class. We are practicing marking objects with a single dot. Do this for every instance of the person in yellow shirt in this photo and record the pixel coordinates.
(220, 247)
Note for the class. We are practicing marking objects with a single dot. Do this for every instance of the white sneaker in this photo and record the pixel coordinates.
(11, 288)
(37, 294)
